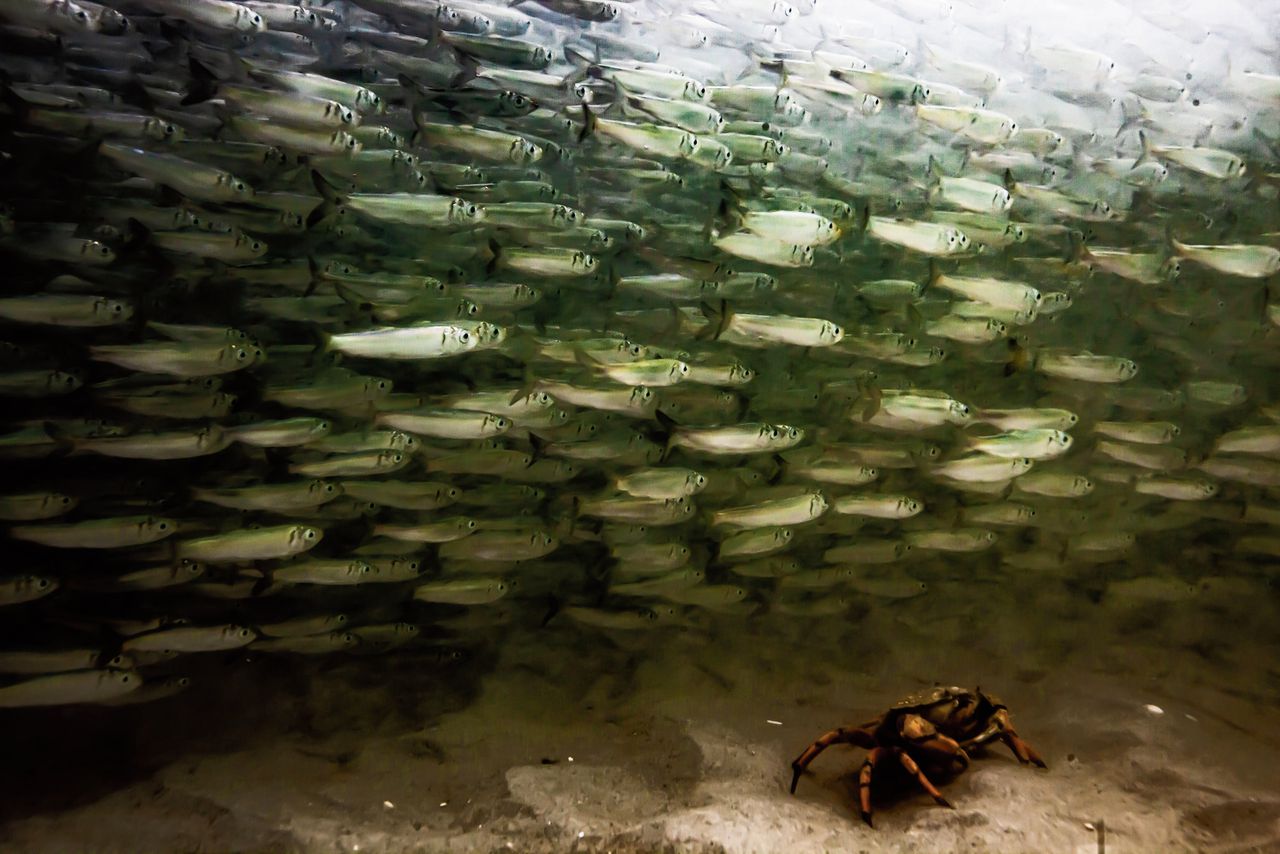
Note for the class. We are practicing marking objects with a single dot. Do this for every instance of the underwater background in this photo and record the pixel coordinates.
(472, 426)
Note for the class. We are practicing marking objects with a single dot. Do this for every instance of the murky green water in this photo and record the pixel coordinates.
(368, 364)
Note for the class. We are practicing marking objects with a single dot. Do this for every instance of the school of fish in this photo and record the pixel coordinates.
(338, 327)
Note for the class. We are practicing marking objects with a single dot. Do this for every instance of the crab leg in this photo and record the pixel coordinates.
(1000, 729)
(914, 770)
(842, 735)
(1025, 752)
(940, 746)
(864, 782)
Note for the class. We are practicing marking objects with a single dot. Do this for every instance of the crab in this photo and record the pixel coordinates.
(938, 728)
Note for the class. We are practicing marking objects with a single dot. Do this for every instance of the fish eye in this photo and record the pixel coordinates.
(309, 534)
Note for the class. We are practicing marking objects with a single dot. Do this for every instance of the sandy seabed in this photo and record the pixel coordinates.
(557, 739)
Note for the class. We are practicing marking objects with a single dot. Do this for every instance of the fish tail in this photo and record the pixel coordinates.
(934, 275)
(316, 276)
(1147, 153)
(1077, 251)
(204, 85)
(582, 63)
(583, 358)
(469, 70)
(666, 433)
(779, 470)
(66, 443)
(1129, 121)
(575, 510)
(554, 605)
(19, 108)
(332, 203)
(589, 123)
(718, 320)
(265, 582)
(1019, 358)
(323, 343)
(495, 251)
(527, 387)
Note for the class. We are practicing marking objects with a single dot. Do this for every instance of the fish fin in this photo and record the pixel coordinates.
(864, 218)
(1009, 184)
